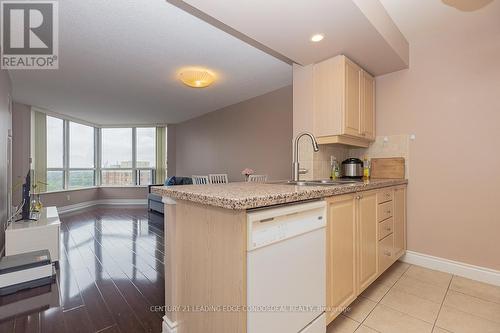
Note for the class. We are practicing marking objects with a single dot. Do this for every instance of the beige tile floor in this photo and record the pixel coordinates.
(413, 299)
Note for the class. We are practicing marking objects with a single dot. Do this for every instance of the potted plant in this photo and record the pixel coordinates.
(247, 172)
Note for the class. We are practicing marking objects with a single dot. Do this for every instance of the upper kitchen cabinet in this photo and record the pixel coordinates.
(343, 103)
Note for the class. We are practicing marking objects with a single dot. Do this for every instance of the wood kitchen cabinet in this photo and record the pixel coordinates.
(366, 234)
(344, 103)
(399, 221)
(341, 254)
(367, 112)
(367, 239)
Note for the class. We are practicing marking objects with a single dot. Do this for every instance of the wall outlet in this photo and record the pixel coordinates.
(68, 197)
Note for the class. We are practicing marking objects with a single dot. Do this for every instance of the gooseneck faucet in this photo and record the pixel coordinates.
(296, 167)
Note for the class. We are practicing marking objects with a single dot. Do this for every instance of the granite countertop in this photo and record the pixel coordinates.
(253, 195)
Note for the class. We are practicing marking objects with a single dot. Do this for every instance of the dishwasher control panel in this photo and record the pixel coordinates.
(272, 225)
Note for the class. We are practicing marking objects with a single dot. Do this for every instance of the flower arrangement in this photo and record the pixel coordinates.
(247, 172)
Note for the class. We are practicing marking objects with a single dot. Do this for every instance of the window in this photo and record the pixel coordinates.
(70, 155)
(81, 146)
(81, 156)
(128, 156)
(146, 155)
(55, 154)
(116, 155)
(55, 180)
(116, 148)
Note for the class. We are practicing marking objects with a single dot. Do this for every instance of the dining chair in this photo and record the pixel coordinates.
(220, 178)
(257, 178)
(200, 180)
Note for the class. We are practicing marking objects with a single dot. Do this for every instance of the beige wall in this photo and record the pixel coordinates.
(256, 133)
(123, 193)
(5, 125)
(21, 136)
(67, 198)
(450, 98)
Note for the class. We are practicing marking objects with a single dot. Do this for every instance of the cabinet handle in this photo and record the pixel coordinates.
(388, 228)
(388, 212)
(387, 253)
(364, 134)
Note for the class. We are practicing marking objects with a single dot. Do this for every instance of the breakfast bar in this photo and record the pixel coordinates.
(207, 230)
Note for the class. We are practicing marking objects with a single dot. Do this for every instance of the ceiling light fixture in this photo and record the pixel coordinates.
(317, 38)
(196, 77)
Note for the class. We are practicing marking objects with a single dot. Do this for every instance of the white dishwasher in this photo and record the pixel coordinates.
(286, 278)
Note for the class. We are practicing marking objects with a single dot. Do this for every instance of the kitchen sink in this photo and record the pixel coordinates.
(323, 182)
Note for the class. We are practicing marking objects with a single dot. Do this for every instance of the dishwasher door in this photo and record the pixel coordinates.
(286, 278)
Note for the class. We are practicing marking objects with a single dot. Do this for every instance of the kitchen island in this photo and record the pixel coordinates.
(206, 235)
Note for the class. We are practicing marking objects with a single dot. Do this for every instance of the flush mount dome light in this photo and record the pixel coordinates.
(197, 78)
(317, 38)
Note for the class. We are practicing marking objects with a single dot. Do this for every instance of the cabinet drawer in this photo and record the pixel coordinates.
(384, 211)
(385, 228)
(384, 196)
(385, 253)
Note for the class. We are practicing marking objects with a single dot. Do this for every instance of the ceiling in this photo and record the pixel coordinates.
(360, 29)
(119, 60)
(422, 20)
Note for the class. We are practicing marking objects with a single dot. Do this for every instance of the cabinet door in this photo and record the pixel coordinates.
(341, 255)
(367, 106)
(399, 221)
(367, 240)
(352, 119)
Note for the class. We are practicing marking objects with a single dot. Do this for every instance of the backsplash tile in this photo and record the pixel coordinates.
(318, 164)
(396, 146)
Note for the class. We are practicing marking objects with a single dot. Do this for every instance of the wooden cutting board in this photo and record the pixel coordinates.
(391, 168)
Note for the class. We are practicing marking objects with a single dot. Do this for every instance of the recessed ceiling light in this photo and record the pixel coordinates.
(317, 38)
(197, 77)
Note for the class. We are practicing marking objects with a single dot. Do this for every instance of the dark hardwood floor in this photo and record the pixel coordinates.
(111, 273)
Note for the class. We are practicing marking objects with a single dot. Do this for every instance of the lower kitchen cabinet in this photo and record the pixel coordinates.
(399, 221)
(366, 234)
(367, 239)
(341, 254)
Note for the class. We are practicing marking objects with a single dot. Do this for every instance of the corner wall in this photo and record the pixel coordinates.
(256, 133)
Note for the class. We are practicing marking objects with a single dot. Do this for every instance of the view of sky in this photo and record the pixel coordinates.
(116, 147)
(81, 146)
(54, 142)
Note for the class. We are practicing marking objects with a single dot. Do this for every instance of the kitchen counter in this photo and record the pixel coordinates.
(241, 196)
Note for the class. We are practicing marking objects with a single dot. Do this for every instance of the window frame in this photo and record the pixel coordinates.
(66, 165)
(135, 170)
(98, 169)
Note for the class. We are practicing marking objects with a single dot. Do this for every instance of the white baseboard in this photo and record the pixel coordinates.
(477, 273)
(168, 326)
(86, 204)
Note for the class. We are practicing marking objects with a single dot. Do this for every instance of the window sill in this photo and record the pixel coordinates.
(122, 186)
(93, 188)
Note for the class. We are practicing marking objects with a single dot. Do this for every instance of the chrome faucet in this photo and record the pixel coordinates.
(296, 168)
